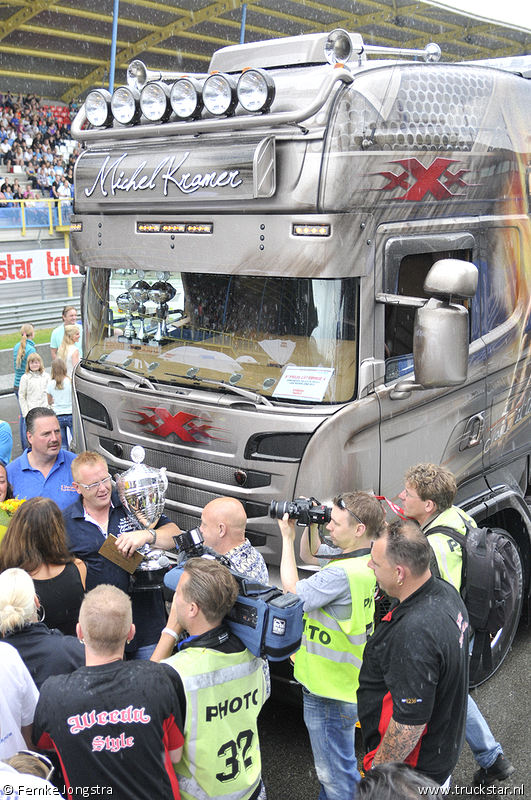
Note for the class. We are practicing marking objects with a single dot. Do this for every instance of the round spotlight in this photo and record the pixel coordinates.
(219, 94)
(98, 108)
(338, 46)
(155, 102)
(256, 90)
(136, 75)
(125, 105)
(186, 99)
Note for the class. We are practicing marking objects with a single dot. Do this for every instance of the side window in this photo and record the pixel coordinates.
(400, 319)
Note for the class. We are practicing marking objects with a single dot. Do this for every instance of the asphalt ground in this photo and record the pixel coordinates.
(505, 701)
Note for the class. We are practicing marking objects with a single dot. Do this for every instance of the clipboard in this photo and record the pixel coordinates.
(110, 551)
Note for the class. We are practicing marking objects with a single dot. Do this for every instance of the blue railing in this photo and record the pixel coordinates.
(43, 212)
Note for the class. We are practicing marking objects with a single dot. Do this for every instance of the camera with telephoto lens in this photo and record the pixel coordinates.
(307, 511)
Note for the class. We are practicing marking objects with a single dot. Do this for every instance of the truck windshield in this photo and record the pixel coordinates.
(289, 339)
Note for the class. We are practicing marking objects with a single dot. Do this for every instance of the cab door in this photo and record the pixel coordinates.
(444, 426)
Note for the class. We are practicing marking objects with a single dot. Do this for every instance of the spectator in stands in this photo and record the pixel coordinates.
(21, 351)
(69, 318)
(29, 196)
(44, 469)
(17, 190)
(59, 395)
(18, 699)
(63, 190)
(68, 349)
(8, 196)
(31, 172)
(32, 389)
(45, 652)
(35, 541)
(8, 101)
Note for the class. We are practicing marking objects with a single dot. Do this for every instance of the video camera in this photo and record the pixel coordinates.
(307, 511)
(268, 622)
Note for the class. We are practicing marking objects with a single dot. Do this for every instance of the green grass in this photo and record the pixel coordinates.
(9, 340)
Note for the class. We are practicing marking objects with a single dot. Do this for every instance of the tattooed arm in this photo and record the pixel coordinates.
(398, 742)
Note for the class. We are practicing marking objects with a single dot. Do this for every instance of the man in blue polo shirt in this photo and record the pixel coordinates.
(43, 470)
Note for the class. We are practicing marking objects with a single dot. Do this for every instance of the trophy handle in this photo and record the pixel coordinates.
(164, 478)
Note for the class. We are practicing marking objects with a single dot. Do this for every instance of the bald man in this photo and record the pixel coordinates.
(223, 524)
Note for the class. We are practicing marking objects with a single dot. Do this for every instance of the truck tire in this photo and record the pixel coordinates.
(501, 642)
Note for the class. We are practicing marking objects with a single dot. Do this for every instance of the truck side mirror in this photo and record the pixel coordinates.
(440, 338)
(440, 344)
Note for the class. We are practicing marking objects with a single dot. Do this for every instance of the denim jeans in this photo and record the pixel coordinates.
(479, 737)
(65, 421)
(332, 728)
(142, 653)
(21, 423)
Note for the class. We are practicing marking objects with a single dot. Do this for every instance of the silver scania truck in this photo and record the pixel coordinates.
(307, 270)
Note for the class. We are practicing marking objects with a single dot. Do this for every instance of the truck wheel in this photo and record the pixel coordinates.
(502, 640)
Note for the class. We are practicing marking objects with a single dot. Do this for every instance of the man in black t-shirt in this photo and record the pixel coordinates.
(116, 725)
(414, 677)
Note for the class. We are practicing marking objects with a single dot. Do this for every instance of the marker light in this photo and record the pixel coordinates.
(125, 105)
(155, 101)
(219, 94)
(311, 230)
(338, 46)
(98, 108)
(256, 90)
(186, 98)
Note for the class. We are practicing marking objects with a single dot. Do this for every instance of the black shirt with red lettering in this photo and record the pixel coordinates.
(113, 726)
(415, 669)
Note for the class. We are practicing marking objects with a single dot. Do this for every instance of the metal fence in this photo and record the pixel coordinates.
(41, 313)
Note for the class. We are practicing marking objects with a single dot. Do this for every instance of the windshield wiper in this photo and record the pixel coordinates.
(250, 395)
(140, 379)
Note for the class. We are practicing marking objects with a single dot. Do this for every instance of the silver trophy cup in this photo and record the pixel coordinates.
(142, 493)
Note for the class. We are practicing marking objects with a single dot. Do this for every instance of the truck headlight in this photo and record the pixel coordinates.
(219, 94)
(256, 90)
(155, 102)
(98, 108)
(125, 105)
(186, 98)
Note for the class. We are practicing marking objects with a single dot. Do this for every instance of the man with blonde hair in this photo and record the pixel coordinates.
(97, 514)
(115, 724)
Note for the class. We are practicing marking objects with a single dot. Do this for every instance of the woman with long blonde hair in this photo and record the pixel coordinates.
(59, 396)
(21, 351)
(68, 350)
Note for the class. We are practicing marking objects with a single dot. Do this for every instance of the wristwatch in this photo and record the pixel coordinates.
(154, 534)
